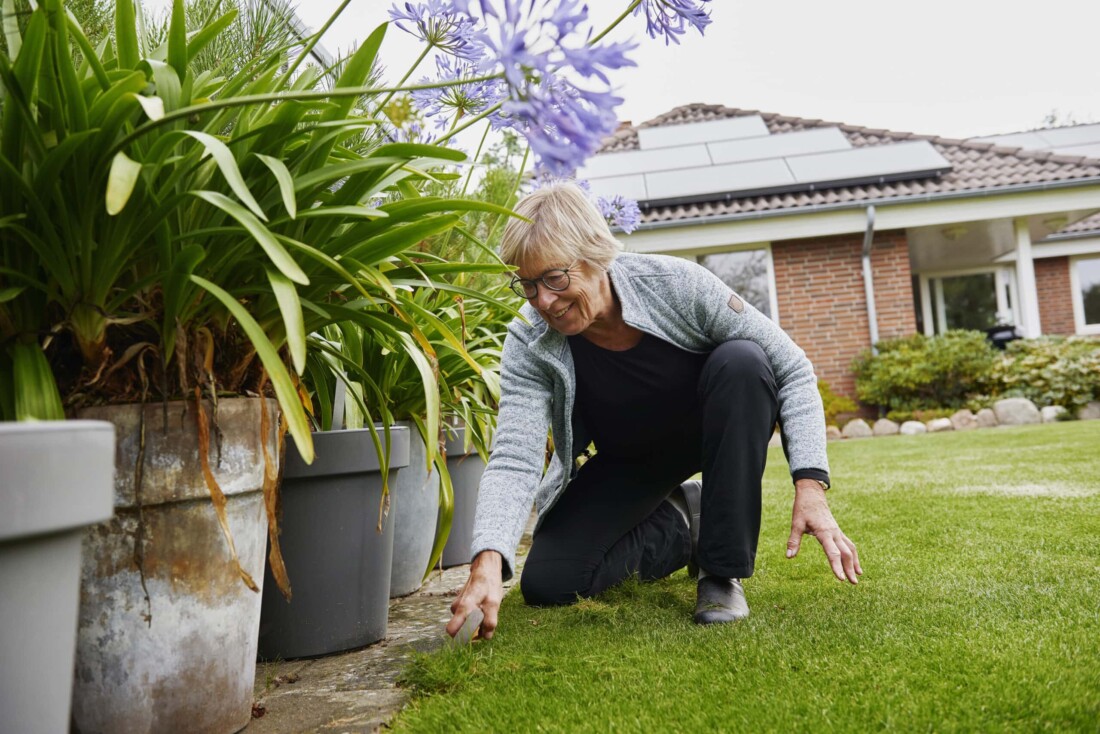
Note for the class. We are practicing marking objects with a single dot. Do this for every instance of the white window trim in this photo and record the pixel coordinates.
(1003, 275)
(1078, 300)
(773, 299)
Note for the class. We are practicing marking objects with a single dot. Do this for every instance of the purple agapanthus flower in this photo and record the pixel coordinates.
(410, 132)
(671, 18)
(558, 94)
(620, 211)
(439, 24)
(448, 104)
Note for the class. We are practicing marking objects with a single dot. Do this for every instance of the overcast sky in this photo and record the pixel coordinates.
(956, 68)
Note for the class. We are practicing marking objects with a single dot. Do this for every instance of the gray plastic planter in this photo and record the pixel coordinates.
(337, 561)
(414, 517)
(466, 470)
(57, 479)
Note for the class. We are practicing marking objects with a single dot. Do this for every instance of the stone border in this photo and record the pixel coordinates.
(1007, 412)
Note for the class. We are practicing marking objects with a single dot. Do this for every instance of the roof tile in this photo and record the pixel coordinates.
(975, 166)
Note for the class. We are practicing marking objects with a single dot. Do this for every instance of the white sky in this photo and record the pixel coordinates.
(957, 68)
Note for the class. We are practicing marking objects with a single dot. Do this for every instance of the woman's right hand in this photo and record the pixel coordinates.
(484, 589)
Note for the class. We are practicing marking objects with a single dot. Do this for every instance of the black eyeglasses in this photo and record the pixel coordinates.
(556, 280)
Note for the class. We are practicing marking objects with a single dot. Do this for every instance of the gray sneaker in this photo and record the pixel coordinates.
(720, 600)
(692, 492)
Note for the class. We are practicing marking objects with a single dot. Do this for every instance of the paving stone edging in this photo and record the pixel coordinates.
(356, 691)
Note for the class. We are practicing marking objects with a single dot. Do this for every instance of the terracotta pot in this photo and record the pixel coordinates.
(57, 480)
(181, 657)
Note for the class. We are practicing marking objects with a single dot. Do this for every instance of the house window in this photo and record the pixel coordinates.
(974, 300)
(748, 273)
(1085, 281)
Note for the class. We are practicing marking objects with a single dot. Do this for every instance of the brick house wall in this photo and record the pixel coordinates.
(822, 305)
(1055, 295)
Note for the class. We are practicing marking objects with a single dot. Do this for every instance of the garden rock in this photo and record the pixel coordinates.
(832, 433)
(964, 420)
(1090, 412)
(885, 427)
(1016, 412)
(986, 418)
(1051, 412)
(939, 425)
(912, 428)
(857, 428)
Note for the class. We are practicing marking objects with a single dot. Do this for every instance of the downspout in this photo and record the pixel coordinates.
(868, 279)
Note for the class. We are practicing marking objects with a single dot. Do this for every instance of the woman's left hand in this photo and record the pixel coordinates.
(811, 515)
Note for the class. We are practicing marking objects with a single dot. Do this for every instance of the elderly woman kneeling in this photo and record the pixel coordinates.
(667, 372)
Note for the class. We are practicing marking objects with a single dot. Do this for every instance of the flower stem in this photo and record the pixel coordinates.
(616, 22)
(386, 101)
(475, 119)
(316, 38)
(515, 187)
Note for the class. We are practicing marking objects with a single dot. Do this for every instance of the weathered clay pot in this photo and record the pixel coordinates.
(181, 657)
(466, 470)
(337, 560)
(56, 480)
(416, 494)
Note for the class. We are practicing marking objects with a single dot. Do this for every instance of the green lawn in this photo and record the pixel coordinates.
(979, 610)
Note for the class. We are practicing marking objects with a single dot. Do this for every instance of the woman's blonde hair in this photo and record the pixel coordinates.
(565, 227)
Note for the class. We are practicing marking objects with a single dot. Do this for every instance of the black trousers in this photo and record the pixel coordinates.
(613, 522)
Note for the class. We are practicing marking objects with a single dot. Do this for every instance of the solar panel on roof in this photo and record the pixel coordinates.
(729, 128)
(1059, 137)
(632, 187)
(714, 179)
(1090, 150)
(644, 161)
(871, 162)
(819, 140)
(1031, 141)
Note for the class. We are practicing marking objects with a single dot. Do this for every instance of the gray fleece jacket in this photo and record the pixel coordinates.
(668, 297)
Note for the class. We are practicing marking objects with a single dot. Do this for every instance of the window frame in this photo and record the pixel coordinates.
(773, 300)
(931, 293)
(1080, 327)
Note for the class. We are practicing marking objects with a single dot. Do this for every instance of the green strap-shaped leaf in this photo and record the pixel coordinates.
(227, 164)
(291, 309)
(297, 423)
(178, 277)
(431, 388)
(263, 236)
(126, 37)
(177, 40)
(121, 180)
(36, 395)
(343, 211)
(209, 32)
(285, 180)
(8, 294)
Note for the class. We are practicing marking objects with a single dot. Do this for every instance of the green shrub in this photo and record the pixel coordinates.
(1051, 371)
(919, 373)
(834, 404)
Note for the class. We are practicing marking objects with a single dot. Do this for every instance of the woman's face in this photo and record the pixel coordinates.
(571, 311)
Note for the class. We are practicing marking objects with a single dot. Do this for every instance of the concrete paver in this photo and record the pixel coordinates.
(356, 692)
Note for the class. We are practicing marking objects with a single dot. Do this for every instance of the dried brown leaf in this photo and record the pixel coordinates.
(216, 494)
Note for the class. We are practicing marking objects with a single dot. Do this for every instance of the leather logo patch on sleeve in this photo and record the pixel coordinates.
(736, 303)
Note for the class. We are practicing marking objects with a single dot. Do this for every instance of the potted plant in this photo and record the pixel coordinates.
(175, 233)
